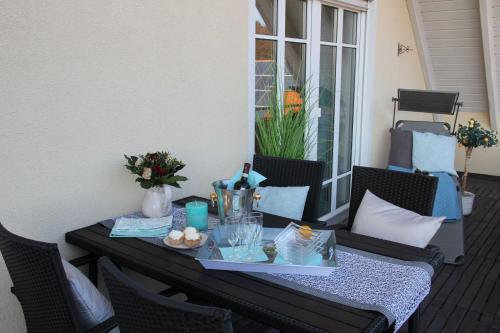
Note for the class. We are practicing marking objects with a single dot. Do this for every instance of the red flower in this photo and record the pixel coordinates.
(159, 170)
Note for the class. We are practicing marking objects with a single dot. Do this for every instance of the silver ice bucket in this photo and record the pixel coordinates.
(232, 202)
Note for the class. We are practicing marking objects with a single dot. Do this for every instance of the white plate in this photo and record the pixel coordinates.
(184, 246)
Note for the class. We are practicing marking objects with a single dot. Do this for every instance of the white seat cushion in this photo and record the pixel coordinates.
(381, 219)
(91, 306)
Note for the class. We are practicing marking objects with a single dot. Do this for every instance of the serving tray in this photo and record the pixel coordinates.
(210, 255)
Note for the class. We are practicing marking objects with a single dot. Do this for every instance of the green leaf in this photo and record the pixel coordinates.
(172, 180)
(146, 184)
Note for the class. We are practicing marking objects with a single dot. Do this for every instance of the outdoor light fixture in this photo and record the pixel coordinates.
(403, 48)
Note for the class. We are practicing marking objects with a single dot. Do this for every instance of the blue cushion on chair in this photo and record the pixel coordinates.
(434, 153)
(282, 201)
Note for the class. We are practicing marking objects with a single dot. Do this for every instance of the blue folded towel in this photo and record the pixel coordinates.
(141, 227)
(446, 202)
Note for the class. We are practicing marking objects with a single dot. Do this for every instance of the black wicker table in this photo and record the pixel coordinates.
(277, 306)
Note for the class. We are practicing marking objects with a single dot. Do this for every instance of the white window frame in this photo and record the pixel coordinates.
(363, 77)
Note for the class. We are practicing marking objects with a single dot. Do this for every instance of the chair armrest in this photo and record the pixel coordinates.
(341, 226)
(104, 327)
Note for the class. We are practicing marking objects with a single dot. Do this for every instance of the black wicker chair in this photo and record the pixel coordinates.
(415, 192)
(290, 172)
(41, 286)
(139, 310)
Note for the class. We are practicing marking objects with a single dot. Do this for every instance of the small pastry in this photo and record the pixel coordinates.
(192, 238)
(190, 230)
(176, 237)
(306, 232)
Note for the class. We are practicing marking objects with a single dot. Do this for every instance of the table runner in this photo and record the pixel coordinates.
(363, 280)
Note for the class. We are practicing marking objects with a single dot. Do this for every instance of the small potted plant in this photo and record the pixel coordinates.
(472, 136)
(157, 173)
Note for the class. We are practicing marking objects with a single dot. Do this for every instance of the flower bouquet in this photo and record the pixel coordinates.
(157, 172)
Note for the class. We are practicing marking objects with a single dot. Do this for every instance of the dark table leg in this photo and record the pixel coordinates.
(413, 321)
(93, 272)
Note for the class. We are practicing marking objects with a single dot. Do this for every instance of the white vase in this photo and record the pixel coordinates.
(467, 202)
(157, 202)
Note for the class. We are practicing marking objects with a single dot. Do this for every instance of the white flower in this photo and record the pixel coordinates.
(138, 162)
(146, 174)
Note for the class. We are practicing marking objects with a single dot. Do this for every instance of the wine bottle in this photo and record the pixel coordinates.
(242, 184)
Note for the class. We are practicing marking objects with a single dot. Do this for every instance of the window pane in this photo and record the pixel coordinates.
(295, 22)
(328, 55)
(328, 24)
(343, 190)
(325, 203)
(295, 62)
(350, 26)
(346, 109)
(265, 69)
(265, 17)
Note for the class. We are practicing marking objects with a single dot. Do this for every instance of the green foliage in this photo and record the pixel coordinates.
(155, 169)
(285, 130)
(473, 135)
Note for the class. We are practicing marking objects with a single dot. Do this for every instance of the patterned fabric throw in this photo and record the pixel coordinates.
(392, 287)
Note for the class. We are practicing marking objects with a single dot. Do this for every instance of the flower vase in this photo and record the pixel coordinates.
(157, 202)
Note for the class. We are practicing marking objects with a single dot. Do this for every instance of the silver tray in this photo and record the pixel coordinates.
(210, 256)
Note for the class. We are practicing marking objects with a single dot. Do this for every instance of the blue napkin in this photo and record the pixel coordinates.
(254, 179)
(141, 227)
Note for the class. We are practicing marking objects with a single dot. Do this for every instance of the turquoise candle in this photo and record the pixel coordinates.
(197, 215)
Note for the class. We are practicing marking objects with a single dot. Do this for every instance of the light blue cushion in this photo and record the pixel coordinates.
(288, 202)
(92, 308)
(434, 153)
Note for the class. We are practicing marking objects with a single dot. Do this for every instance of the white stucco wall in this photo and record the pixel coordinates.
(84, 82)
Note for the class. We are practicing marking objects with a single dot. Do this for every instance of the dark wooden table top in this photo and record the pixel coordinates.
(277, 306)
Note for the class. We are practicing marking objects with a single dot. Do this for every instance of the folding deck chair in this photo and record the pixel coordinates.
(450, 237)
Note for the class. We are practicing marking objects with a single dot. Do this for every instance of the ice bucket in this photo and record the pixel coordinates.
(232, 202)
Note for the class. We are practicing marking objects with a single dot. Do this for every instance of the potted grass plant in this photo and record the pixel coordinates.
(472, 136)
(284, 129)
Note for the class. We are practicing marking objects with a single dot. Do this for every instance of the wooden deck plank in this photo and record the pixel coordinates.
(467, 298)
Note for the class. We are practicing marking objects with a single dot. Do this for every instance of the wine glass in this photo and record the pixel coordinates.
(233, 234)
(258, 228)
(249, 232)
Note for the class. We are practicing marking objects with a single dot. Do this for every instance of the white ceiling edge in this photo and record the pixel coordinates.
(489, 61)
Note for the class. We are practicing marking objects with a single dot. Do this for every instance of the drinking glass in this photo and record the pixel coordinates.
(259, 228)
(249, 232)
(233, 234)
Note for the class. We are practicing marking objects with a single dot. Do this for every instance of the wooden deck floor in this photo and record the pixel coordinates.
(466, 298)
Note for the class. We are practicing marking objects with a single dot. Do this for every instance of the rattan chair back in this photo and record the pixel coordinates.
(138, 310)
(40, 284)
(415, 192)
(291, 172)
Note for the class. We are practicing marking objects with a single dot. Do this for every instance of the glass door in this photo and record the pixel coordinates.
(338, 45)
(312, 43)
